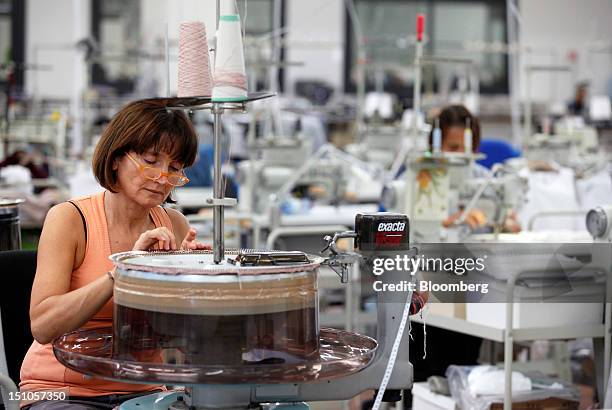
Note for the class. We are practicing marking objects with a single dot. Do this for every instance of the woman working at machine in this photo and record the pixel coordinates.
(452, 122)
(465, 349)
(139, 159)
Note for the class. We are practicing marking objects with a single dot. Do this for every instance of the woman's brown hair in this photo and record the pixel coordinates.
(457, 116)
(141, 126)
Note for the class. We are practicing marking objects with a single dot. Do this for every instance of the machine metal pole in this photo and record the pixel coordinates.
(218, 16)
(509, 342)
(360, 65)
(416, 93)
(513, 31)
(167, 61)
(527, 120)
(607, 342)
(218, 246)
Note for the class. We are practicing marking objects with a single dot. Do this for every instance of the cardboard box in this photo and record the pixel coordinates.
(552, 403)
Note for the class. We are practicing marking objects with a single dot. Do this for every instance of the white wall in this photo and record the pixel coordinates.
(561, 26)
(52, 29)
(316, 39)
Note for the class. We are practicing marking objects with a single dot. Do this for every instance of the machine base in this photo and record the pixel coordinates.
(155, 401)
(177, 401)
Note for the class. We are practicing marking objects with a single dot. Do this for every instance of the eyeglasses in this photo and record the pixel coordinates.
(153, 173)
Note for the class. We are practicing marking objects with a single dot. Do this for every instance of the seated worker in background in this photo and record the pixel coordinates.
(578, 105)
(200, 173)
(139, 159)
(17, 174)
(36, 163)
(452, 121)
(445, 347)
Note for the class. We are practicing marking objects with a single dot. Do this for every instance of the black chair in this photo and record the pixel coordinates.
(18, 269)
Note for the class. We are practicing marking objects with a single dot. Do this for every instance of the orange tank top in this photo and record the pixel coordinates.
(40, 370)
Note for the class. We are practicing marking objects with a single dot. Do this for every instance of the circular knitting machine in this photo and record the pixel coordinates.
(180, 318)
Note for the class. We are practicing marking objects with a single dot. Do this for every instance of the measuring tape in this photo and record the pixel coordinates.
(393, 356)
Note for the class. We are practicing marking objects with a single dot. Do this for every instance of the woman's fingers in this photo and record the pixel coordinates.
(197, 246)
(162, 236)
(472, 221)
(511, 225)
(172, 239)
(190, 243)
(165, 238)
(189, 239)
(142, 243)
(475, 219)
(191, 235)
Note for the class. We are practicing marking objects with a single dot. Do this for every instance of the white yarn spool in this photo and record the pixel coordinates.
(194, 79)
(230, 77)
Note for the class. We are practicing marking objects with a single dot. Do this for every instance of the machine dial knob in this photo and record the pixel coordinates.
(598, 222)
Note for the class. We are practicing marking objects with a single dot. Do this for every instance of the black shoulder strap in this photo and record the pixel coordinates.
(82, 218)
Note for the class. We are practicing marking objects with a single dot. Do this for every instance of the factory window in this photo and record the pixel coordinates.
(117, 54)
(263, 18)
(258, 14)
(12, 34)
(5, 30)
(114, 54)
(453, 28)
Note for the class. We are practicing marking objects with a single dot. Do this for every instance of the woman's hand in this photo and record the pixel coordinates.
(181, 227)
(148, 239)
(511, 224)
(475, 219)
(541, 165)
(190, 243)
(419, 299)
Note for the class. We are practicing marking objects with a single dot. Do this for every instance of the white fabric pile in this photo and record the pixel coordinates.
(487, 380)
(561, 191)
(18, 178)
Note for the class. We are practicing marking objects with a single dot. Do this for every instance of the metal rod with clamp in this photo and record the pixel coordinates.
(218, 194)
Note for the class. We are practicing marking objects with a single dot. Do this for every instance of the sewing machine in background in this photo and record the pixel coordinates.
(434, 186)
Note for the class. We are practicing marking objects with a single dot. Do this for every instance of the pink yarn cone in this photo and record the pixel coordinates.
(194, 77)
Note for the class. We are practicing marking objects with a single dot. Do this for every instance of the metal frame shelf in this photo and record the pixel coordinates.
(519, 335)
